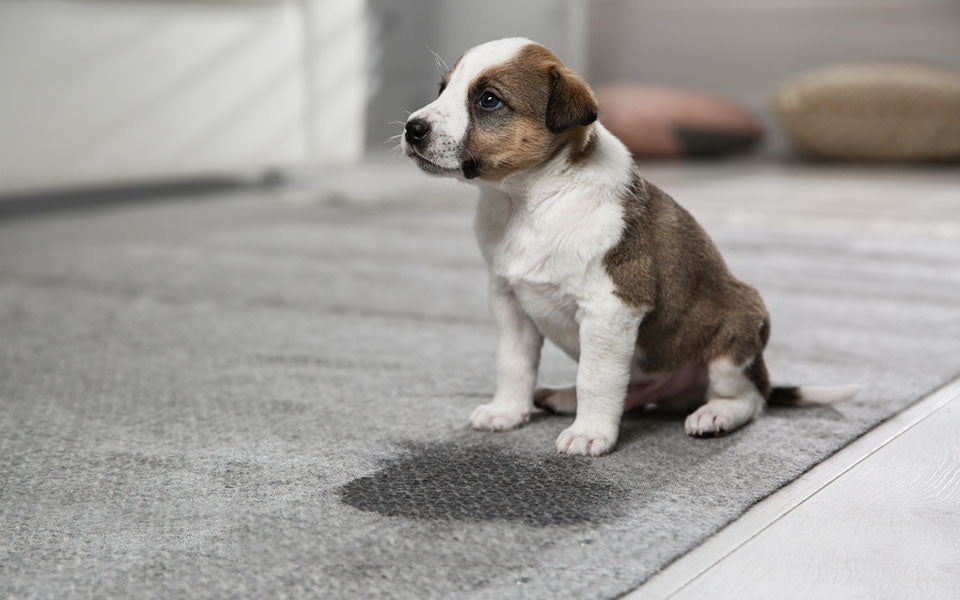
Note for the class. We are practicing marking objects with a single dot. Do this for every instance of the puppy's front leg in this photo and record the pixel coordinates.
(608, 338)
(518, 357)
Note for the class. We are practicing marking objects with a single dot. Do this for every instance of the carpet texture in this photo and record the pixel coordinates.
(255, 398)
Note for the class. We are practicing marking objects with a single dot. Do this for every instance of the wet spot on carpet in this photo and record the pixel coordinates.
(484, 483)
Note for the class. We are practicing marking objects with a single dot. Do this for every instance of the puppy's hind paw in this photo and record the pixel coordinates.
(562, 401)
(720, 416)
(705, 423)
(498, 417)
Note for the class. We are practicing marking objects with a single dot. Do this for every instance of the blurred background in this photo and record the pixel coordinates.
(224, 300)
(106, 92)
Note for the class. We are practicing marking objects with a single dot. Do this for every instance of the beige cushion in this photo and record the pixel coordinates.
(907, 112)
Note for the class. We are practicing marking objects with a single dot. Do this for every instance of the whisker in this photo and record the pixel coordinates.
(440, 62)
(470, 154)
(395, 152)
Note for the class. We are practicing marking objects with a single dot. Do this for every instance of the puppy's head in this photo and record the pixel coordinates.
(504, 107)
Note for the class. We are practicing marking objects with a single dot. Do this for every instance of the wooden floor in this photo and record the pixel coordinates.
(880, 519)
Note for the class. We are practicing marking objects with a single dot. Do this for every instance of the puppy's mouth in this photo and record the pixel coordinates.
(428, 165)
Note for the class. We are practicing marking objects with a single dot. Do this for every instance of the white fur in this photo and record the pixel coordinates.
(732, 400)
(518, 357)
(562, 401)
(822, 394)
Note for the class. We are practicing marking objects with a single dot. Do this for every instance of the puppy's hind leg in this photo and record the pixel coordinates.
(735, 395)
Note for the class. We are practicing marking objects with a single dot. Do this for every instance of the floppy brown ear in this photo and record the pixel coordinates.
(571, 102)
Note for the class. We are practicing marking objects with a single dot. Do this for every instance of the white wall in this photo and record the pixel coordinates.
(99, 92)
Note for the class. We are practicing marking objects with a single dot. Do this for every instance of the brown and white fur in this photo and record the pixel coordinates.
(584, 252)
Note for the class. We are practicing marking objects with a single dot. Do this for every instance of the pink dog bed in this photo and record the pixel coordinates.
(665, 122)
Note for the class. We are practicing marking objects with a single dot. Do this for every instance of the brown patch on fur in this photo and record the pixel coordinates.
(571, 103)
(581, 149)
(757, 373)
(667, 263)
(546, 107)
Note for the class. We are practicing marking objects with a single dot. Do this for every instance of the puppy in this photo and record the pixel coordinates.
(584, 252)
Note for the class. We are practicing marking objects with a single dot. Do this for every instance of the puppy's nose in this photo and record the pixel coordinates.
(417, 129)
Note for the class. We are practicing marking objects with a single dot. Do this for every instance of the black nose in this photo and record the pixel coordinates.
(417, 129)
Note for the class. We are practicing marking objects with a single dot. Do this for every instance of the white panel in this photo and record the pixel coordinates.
(102, 92)
(337, 77)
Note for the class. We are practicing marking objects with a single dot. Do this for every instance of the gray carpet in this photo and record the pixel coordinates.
(256, 398)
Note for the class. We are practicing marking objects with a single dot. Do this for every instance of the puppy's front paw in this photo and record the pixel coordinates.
(498, 417)
(582, 441)
(708, 420)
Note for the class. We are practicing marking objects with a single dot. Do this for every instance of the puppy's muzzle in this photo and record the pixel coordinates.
(416, 131)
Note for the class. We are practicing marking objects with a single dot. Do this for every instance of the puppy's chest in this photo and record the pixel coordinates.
(520, 253)
(553, 312)
(557, 248)
(540, 275)
(551, 259)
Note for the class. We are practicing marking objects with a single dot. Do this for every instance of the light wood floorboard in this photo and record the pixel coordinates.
(880, 519)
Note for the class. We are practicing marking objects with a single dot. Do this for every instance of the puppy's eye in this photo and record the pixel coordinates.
(489, 101)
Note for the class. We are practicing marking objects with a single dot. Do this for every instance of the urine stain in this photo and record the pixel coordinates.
(448, 481)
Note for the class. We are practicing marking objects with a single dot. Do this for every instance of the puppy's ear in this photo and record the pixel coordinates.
(571, 101)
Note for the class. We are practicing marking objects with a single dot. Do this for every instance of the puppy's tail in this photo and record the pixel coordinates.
(810, 395)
